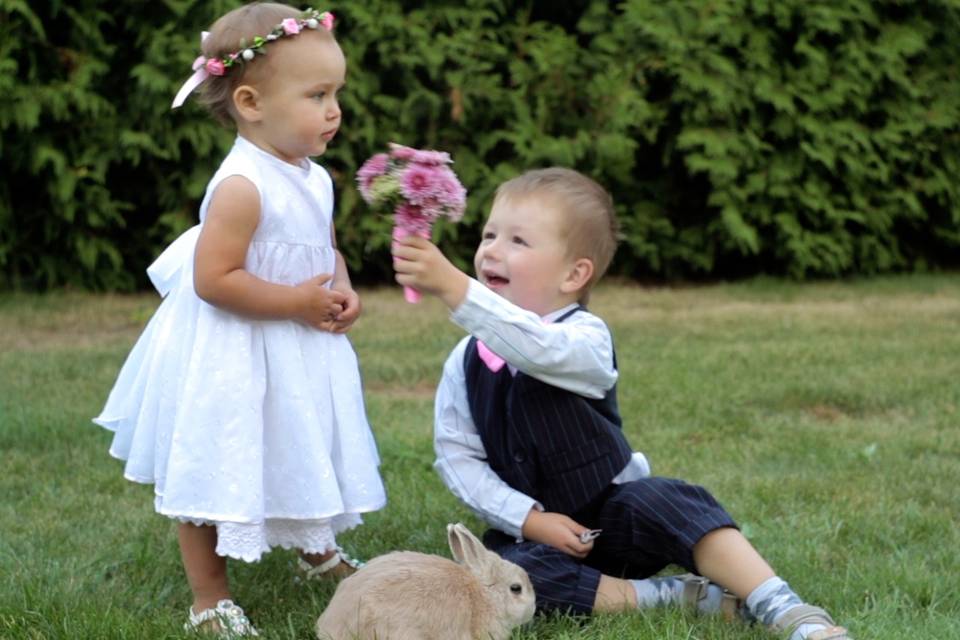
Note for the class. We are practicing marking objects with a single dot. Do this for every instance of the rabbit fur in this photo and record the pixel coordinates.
(405, 595)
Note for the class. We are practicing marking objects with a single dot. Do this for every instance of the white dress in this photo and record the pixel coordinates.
(255, 426)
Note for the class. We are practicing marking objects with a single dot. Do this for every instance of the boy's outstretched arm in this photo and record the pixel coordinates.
(576, 355)
(420, 264)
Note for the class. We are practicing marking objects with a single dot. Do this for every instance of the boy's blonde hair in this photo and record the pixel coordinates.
(240, 25)
(588, 224)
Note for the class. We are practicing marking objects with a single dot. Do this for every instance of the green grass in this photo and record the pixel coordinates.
(824, 416)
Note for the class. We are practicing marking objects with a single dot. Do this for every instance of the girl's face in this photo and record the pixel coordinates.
(299, 110)
(523, 254)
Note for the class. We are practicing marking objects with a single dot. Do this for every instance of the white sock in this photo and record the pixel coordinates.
(774, 598)
(667, 591)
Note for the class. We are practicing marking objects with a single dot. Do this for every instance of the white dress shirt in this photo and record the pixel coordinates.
(575, 355)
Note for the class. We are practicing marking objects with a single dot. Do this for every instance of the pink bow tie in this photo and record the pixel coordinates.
(492, 360)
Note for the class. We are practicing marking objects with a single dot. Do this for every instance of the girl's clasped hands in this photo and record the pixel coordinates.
(327, 309)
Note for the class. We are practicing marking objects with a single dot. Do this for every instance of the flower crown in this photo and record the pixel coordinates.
(203, 67)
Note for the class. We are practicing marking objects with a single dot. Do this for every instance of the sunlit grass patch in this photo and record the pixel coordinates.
(824, 416)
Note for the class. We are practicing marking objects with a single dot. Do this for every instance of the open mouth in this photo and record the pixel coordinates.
(494, 281)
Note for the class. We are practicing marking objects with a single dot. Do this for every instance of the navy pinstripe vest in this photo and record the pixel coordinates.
(560, 448)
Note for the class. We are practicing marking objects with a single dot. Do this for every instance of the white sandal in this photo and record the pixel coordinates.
(312, 572)
(230, 618)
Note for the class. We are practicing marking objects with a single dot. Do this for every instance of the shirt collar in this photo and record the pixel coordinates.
(553, 315)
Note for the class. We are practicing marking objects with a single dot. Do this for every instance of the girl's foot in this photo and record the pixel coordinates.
(225, 620)
(334, 564)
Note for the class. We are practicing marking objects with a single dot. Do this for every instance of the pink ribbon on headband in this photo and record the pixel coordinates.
(200, 73)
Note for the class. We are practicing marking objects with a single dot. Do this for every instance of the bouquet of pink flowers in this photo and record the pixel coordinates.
(417, 187)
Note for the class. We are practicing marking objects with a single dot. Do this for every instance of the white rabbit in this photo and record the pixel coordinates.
(405, 595)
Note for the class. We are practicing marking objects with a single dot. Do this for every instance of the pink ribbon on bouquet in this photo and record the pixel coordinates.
(400, 232)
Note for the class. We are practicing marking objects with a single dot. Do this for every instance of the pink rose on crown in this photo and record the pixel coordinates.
(290, 26)
(214, 67)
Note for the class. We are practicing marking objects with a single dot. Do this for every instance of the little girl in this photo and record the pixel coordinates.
(242, 399)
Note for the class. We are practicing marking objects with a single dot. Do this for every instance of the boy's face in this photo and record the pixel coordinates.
(523, 254)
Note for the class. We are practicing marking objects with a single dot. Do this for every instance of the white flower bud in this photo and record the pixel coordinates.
(248, 54)
(312, 23)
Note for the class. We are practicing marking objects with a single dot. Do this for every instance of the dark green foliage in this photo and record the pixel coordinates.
(823, 134)
(809, 138)
(99, 174)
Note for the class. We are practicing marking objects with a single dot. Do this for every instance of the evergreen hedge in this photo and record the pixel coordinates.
(802, 137)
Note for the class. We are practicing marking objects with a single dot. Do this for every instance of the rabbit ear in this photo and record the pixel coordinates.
(465, 547)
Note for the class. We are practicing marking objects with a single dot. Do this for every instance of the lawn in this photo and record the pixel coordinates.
(824, 416)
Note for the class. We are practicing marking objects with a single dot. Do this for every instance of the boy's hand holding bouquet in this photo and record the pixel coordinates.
(417, 187)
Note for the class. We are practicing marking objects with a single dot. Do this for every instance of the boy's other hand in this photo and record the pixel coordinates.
(558, 531)
(418, 263)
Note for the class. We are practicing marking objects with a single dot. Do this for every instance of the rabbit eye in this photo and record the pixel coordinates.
(516, 588)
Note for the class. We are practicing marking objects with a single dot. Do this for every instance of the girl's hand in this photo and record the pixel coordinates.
(318, 305)
(558, 531)
(418, 263)
(351, 310)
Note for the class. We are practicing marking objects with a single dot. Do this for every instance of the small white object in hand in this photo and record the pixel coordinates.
(590, 535)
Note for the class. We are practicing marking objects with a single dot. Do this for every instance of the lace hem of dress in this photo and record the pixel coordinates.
(249, 541)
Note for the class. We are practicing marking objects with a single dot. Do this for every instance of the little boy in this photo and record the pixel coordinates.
(528, 434)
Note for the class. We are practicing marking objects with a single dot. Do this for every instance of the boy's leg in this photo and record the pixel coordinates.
(618, 594)
(728, 558)
(561, 582)
(615, 594)
(653, 522)
(565, 584)
(206, 571)
(686, 526)
(631, 545)
(647, 525)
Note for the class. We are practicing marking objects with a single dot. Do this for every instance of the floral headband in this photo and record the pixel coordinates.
(203, 67)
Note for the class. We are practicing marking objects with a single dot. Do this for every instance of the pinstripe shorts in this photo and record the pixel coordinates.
(647, 525)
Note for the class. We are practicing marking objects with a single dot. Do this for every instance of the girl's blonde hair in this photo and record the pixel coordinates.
(226, 35)
(585, 211)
